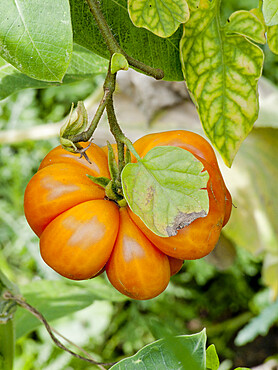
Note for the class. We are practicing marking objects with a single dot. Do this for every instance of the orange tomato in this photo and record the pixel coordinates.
(55, 189)
(137, 268)
(78, 242)
(97, 167)
(82, 232)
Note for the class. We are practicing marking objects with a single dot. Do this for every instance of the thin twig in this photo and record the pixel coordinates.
(76, 346)
(9, 296)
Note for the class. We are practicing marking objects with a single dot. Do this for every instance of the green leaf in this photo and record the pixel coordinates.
(212, 360)
(139, 43)
(84, 64)
(58, 298)
(221, 71)
(259, 325)
(245, 23)
(166, 189)
(101, 181)
(272, 38)
(270, 10)
(118, 62)
(160, 17)
(36, 37)
(162, 354)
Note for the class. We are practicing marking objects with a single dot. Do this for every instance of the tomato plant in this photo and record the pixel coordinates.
(138, 211)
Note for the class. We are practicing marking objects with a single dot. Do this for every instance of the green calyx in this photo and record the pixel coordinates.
(113, 186)
(112, 191)
(115, 193)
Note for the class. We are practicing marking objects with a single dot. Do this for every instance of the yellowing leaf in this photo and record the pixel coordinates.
(272, 38)
(221, 68)
(193, 4)
(161, 17)
(212, 360)
(246, 24)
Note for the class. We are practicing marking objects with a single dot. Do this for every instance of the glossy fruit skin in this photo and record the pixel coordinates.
(55, 189)
(97, 167)
(82, 236)
(131, 267)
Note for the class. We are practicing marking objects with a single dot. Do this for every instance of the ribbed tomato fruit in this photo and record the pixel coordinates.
(82, 232)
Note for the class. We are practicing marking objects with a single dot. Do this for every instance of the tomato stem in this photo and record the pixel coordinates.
(119, 136)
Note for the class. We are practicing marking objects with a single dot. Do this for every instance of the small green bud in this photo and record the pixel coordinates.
(118, 62)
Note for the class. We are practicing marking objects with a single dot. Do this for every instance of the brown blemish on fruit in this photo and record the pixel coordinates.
(182, 220)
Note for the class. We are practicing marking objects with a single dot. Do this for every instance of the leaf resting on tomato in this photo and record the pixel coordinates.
(166, 189)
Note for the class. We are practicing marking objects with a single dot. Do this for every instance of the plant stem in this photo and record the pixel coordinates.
(113, 45)
(106, 33)
(118, 134)
(21, 302)
(108, 88)
(86, 135)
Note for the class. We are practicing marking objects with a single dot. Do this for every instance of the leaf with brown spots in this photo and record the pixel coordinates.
(166, 189)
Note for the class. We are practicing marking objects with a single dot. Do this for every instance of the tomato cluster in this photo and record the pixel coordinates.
(82, 233)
